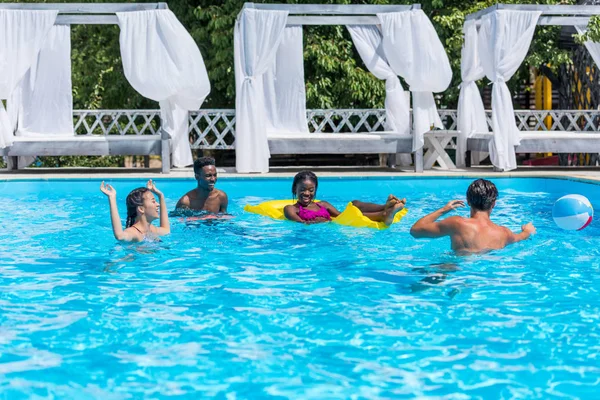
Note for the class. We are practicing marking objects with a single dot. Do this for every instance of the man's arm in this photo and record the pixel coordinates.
(428, 227)
(526, 231)
(183, 202)
(224, 202)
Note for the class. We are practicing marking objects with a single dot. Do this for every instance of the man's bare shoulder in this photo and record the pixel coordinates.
(456, 220)
(187, 198)
(506, 231)
(453, 225)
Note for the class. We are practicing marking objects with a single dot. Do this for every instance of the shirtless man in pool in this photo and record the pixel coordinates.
(477, 233)
(205, 197)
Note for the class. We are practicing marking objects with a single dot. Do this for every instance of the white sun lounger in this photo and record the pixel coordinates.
(344, 143)
(544, 142)
(92, 145)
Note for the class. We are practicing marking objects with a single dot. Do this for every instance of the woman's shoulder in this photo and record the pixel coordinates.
(134, 234)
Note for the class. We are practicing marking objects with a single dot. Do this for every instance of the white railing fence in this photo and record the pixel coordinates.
(214, 129)
(116, 122)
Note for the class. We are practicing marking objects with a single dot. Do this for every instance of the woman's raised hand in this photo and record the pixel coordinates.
(108, 190)
(152, 187)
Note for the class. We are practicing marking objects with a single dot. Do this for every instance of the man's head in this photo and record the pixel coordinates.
(205, 172)
(482, 195)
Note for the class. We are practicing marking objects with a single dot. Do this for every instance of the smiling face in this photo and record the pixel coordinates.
(306, 191)
(207, 178)
(150, 207)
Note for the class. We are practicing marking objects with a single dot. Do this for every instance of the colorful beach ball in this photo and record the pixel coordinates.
(572, 212)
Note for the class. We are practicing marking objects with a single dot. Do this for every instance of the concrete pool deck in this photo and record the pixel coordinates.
(580, 173)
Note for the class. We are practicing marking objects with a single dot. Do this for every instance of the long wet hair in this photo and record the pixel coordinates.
(302, 176)
(133, 201)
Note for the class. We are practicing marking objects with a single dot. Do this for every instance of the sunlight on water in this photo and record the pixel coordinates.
(256, 308)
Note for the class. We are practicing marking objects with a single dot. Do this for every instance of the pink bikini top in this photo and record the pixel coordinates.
(310, 215)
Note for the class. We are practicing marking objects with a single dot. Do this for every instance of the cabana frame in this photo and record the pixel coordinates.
(85, 13)
(543, 141)
(551, 14)
(157, 143)
(332, 14)
(376, 142)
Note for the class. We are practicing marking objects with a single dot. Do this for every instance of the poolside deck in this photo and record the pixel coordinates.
(586, 173)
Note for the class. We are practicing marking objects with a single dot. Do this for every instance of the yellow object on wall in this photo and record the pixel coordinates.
(543, 99)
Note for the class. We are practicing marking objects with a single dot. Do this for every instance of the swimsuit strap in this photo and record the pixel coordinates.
(137, 229)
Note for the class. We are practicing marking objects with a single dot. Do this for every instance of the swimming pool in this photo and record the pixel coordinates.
(254, 308)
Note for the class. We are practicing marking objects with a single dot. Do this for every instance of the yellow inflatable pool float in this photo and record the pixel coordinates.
(351, 216)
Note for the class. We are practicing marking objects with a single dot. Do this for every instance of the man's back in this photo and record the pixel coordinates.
(476, 235)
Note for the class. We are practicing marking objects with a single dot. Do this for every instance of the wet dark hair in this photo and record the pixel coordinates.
(302, 176)
(202, 162)
(482, 194)
(134, 199)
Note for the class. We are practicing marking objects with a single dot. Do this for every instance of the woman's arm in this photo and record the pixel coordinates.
(118, 231)
(164, 228)
(291, 213)
(333, 212)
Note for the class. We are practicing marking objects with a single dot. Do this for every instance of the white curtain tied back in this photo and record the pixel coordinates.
(368, 41)
(163, 63)
(284, 88)
(42, 103)
(592, 47)
(22, 34)
(257, 35)
(414, 51)
(504, 39)
(471, 113)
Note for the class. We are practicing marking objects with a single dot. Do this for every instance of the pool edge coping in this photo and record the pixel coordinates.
(594, 178)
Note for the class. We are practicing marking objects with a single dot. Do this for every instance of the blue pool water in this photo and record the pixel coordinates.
(255, 308)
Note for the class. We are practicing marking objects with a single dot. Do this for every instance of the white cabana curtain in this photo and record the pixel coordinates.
(42, 104)
(257, 36)
(368, 41)
(414, 51)
(592, 47)
(284, 88)
(22, 33)
(504, 39)
(163, 63)
(471, 113)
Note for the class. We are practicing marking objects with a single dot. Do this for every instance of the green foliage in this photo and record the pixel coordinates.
(448, 17)
(79, 161)
(335, 76)
(592, 33)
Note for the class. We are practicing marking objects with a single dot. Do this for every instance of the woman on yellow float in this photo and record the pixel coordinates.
(306, 210)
